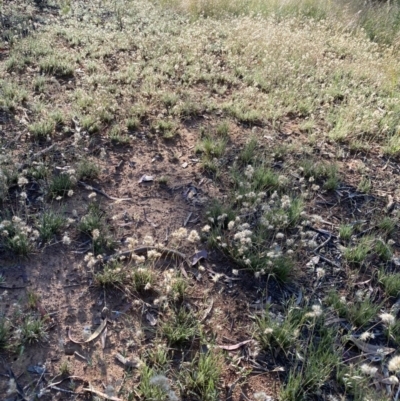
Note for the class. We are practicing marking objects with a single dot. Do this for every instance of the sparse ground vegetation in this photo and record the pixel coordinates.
(210, 189)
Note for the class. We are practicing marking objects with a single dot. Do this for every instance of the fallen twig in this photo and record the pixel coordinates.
(43, 152)
(207, 311)
(155, 225)
(5, 287)
(144, 249)
(97, 332)
(373, 350)
(63, 390)
(80, 356)
(100, 394)
(187, 219)
(330, 262)
(99, 191)
(126, 362)
(234, 346)
(323, 244)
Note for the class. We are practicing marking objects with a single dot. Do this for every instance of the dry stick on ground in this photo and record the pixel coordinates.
(102, 395)
(144, 249)
(90, 188)
(323, 244)
(43, 152)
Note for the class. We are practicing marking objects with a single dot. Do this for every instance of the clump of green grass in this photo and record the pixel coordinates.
(5, 333)
(165, 128)
(383, 250)
(387, 225)
(201, 379)
(143, 279)
(359, 313)
(153, 385)
(53, 65)
(65, 369)
(42, 129)
(50, 223)
(274, 334)
(39, 83)
(93, 225)
(117, 137)
(61, 184)
(132, 123)
(357, 254)
(179, 289)
(211, 147)
(327, 173)
(169, 100)
(112, 275)
(321, 359)
(180, 327)
(390, 282)
(33, 330)
(87, 170)
(93, 220)
(222, 130)
(16, 238)
(365, 185)
(90, 124)
(248, 153)
(345, 232)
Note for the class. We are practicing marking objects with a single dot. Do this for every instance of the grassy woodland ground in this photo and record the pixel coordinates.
(199, 200)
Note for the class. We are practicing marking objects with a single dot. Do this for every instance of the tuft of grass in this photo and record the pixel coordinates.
(19, 245)
(56, 66)
(143, 279)
(39, 84)
(93, 220)
(359, 313)
(211, 147)
(33, 300)
(65, 369)
(320, 361)
(157, 357)
(169, 100)
(132, 124)
(279, 335)
(248, 153)
(383, 250)
(282, 269)
(112, 275)
(201, 379)
(390, 283)
(180, 327)
(178, 289)
(357, 254)
(5, 332)
(117, 137)
(222, 130)
(265, 179)
(33, 330)
(147, 389)
(365, 185)
(87, 170)
(50, 224)
(60, 185)
(42, 129)
(165, 128)
(387, 225)
(345, 232)
(90, 124)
